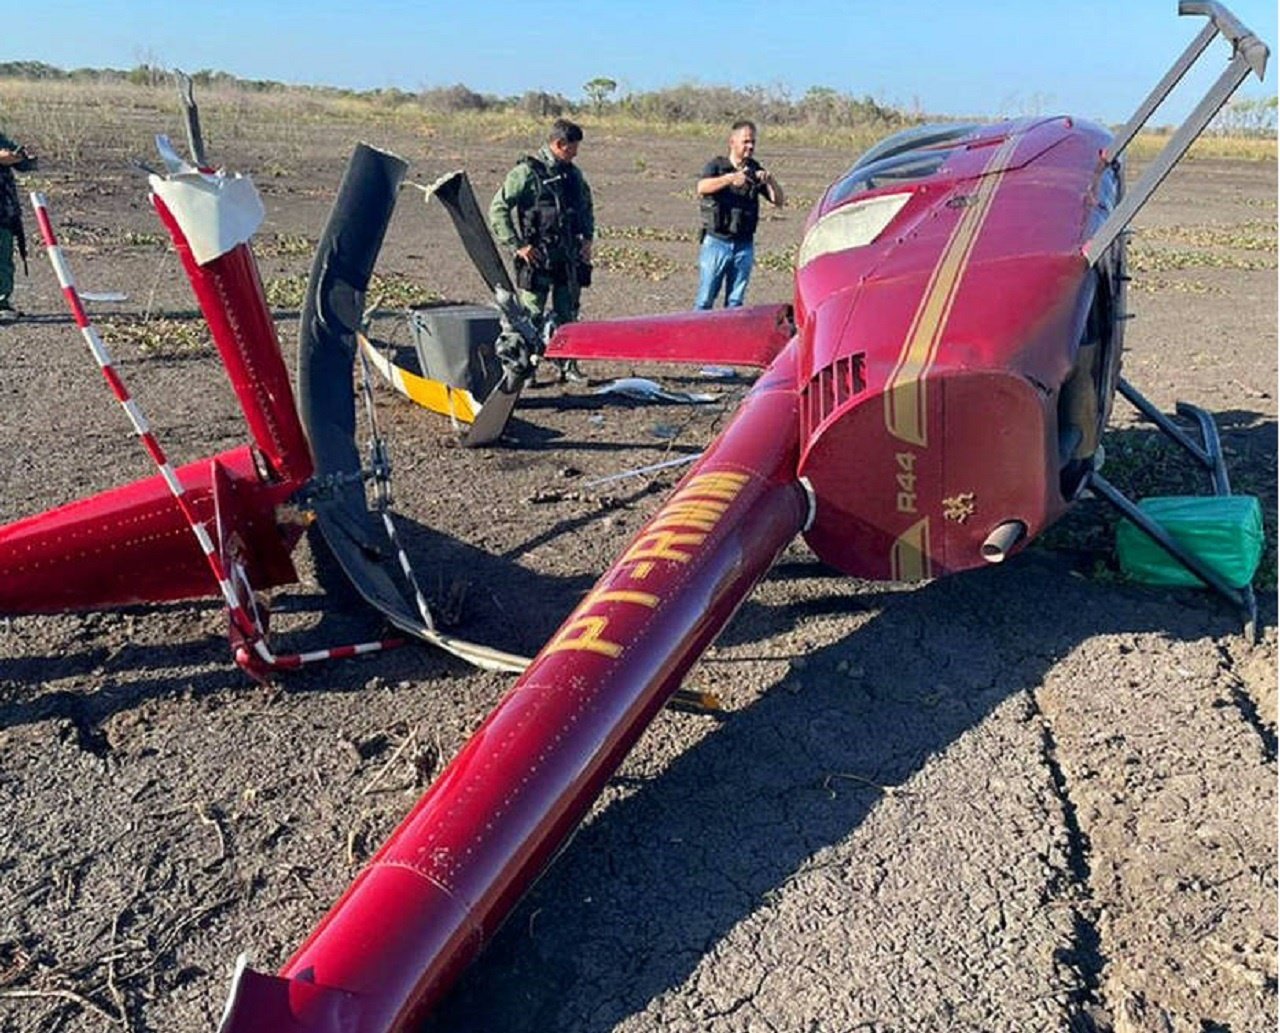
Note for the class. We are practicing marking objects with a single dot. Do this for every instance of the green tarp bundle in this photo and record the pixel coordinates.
(1223, 531)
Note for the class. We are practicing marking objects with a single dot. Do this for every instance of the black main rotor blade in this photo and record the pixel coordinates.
(459, 200)
(334, 308)
(331, 317)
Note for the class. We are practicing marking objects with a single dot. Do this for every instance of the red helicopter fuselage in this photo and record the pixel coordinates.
(954, 355)
(933, 357)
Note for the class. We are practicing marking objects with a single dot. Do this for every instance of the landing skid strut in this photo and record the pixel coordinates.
(1208, 454)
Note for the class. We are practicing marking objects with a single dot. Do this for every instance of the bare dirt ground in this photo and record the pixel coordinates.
(1030, 798)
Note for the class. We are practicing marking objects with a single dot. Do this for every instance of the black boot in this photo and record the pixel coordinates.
(569, 372)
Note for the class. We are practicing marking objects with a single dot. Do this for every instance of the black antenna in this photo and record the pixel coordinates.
(194, 140)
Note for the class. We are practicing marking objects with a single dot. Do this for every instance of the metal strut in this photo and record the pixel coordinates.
(380, 471)
(1248, 54)
(1208, 454)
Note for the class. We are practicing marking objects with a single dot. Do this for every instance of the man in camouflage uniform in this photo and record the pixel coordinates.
(543, 214)
(11, 156)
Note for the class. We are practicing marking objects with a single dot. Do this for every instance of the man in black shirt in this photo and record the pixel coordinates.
(729, 200)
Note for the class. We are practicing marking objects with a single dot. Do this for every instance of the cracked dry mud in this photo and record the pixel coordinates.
(1028, 798)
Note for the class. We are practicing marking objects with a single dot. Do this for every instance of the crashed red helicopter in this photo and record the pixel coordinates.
(932, 401)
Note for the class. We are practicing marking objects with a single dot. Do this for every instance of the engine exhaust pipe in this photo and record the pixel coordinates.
(997, 544)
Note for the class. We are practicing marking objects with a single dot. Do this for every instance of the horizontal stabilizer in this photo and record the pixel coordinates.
(750, 336)
(133, 544)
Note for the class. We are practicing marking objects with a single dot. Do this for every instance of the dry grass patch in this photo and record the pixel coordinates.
(157, 337)
(782, 260)
(634, 261)
(1157, 284)
(285, 245)
(642, 233)
(1240, 148)
(1254, 235)
(289, 292)
(1160, 259)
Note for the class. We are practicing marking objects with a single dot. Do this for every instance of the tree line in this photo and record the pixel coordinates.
(685, 102)
(691, 102)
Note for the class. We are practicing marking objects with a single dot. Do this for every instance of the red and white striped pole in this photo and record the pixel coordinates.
(254, 654)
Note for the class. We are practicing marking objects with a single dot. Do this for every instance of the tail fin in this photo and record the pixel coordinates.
(210, 217)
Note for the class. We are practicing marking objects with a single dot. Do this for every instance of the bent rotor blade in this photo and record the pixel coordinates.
(492, 418)
(459, 200)
(331, 317)
(332, 313)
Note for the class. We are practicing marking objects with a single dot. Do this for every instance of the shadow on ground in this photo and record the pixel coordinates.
(652, 884)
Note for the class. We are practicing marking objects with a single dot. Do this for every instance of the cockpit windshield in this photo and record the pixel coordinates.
(914, 153)
(917, 138)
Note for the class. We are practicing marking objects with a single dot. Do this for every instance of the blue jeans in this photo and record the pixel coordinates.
(723, 261)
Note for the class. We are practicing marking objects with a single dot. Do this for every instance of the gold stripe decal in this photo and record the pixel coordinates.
(909, 560)
(674, 535)
(905, 411)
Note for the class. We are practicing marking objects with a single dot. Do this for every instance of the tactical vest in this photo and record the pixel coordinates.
(552, 223)
(733, 212)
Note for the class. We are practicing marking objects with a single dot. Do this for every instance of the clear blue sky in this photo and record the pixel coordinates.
(1093, 58)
